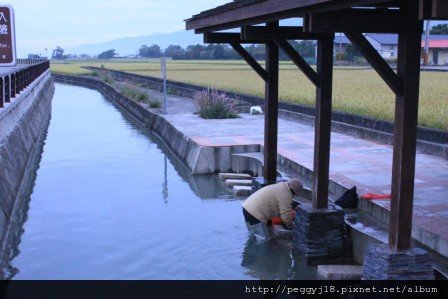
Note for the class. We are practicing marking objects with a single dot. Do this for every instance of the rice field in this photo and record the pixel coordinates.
(355, 90)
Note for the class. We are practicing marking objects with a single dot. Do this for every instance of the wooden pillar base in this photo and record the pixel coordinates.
(319, 234)
(383, 263)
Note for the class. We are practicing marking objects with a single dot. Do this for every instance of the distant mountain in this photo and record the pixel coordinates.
(130, 45)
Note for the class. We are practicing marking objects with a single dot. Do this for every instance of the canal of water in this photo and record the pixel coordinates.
(109, 201)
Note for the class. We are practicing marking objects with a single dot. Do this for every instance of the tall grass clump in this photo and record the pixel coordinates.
(212, 104)
(154, 104)
(136, 94)
(107, 79)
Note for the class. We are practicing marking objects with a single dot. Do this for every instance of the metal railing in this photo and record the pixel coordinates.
(30, 60)
(19, 78)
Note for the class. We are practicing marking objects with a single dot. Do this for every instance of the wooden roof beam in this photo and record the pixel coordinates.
(360, 20)
(298, 60)
(283, 32)
(269, 10)
(251, 61)
(228, 38)
(280, 35)
(433, 9)
(235, 41)
(376, 61)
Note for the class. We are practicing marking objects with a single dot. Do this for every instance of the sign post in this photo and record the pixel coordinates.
(7, 36)
(163, 68)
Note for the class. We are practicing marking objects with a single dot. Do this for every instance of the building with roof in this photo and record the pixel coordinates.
(340, 43)
(438, 49)
(387, 46)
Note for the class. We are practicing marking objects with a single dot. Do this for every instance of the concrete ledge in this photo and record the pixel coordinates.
(13, 111)
(198, 159)
(431, 141)
(230, 183)
(425, 237)
(339, 272)
(225, 176)
(241, 191)
(21, 123)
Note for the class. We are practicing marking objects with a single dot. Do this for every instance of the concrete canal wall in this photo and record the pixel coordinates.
(198, 159)
(429, 141)
(22, 123)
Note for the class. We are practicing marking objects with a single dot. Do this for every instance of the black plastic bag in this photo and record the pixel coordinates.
(349, 199)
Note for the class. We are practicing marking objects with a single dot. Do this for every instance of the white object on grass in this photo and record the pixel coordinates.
(256, 110)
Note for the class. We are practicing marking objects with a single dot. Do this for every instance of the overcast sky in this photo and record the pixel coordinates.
(42, 24)
(48, 23)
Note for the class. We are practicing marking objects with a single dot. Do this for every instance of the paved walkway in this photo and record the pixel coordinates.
(353, 161)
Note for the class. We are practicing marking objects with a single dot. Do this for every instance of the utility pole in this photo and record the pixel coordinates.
(426, 52)
(163, 68)
(340, 46)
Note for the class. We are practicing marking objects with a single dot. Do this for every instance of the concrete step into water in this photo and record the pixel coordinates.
(232, 182)
(365, 230)
(241, 191)
(340, 272)
(236, 176)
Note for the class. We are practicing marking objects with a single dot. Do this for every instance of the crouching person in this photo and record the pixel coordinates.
(270, 202)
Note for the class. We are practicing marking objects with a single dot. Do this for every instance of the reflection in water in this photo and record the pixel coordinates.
(11, 250)
(267, 260)
(97, 208)
(274, 260)
(165, 182)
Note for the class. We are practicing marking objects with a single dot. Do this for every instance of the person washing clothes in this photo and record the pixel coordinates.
(270, 202)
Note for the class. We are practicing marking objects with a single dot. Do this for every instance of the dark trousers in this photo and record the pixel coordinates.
(249, 218)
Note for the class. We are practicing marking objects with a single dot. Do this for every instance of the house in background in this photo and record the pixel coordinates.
(340, 43)
(438, 49)
(387, 46)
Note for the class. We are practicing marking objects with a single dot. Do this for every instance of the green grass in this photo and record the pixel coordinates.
(134, 92)
(355, 90)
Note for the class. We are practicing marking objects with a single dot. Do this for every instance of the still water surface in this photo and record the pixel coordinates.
(110, 202)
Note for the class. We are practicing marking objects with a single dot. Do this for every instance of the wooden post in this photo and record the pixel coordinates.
(323, 122)
(271, 111)
(405, 136)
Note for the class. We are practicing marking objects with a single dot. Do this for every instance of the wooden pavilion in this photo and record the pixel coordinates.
(321, 19)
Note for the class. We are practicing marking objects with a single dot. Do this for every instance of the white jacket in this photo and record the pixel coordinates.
(271, 201)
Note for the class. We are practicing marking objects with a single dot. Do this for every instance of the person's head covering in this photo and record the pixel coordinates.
(295, 185)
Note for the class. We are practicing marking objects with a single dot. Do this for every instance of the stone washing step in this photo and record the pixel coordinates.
(364, 230)
(227, 175)
(241, 191)
(231, 182)
(340, 272)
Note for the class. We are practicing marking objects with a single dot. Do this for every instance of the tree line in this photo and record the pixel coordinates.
(222, 51)
(212, 51)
